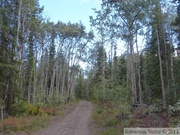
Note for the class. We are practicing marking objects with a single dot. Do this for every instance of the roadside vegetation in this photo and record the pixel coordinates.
(109, 119)
(34, 117)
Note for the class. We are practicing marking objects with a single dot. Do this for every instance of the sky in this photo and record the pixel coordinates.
(73, 11)
(70, 10)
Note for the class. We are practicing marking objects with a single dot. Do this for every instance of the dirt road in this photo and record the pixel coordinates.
(75, 123)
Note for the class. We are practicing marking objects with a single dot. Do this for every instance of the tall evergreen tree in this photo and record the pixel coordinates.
(177, 21)
(8, 58)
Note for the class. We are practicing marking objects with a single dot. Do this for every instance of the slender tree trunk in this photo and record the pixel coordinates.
(45, 88)
(133, 71)
(30, 86)
(111, 60)
(53, 80)
(34, 85)
(166, 61)
(72, 88)
(23, 85)
(63, 80)
(72, 84)
(128, 74)
(42, 76)
(171, 61)
(103, 62)
(2, 118)
(68, 74)
(17, 55)
(172, 75)
(58, 74)
(18, 23)
(144, 73)
(139, 70)
(103, 73)
(161, 72)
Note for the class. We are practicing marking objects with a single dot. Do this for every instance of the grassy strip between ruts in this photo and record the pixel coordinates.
(31, 123)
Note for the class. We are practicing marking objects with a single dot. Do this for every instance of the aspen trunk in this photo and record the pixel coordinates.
(42, 80)
(133, 71)
(45, 87)
(166, 61)
(58, 74)
(63, 81)
(35, 86)
(103, 73)
(18, 23)
(161, 72)
(171, 63)
(139, 70)
(52, 80)
(2, 118)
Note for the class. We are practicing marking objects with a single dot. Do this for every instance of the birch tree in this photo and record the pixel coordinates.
(129, 16)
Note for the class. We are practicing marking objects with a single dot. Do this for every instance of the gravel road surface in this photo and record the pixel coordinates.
(75, 123)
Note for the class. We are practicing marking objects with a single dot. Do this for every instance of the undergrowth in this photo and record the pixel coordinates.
(104, 116)
(31, 117)
(26, 123)
(111, 120)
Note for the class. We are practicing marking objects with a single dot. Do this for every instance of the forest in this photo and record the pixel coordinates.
(41, 61)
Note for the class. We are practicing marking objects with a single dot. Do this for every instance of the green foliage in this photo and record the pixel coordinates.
(31, 110)
(96, 113)
(62, 99)
(121, 96)
(18, 107)
(98, 92)
(13, 124)
(28, 123)
(80, 87)
(111, 131)
(177, 75)
(22, 107)
(111, 122)
(56, 100)
(177, 22)
(175, 109)
(104, 116)
(121, 93)
(46, 110)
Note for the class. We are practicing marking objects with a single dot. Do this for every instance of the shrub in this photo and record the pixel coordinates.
(22, 107)
(25, 123)
(47, 110)
(174, 111)
(175, 108)
(30, 109)
(18, 107)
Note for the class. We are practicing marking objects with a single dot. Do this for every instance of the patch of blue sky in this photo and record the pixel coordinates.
(73, 11)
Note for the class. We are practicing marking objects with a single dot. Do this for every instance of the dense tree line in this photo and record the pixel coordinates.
(138, 76)
(39, 59)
